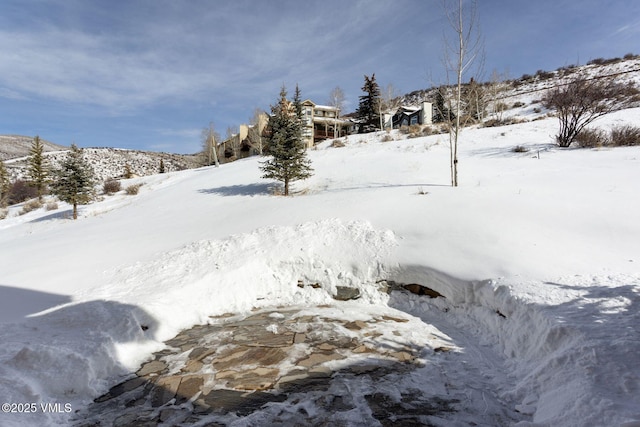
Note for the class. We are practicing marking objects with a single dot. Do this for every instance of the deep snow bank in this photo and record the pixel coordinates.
(571, 346)
(72, 353)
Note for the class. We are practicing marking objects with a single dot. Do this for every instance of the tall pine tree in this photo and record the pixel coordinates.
(288, 161)
(74, 182)
(369, 108)
(37, 171)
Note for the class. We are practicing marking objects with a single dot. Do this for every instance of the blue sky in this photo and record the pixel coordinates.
(151, 74)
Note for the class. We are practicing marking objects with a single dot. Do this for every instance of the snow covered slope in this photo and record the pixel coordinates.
(537, 254)
(12, 146)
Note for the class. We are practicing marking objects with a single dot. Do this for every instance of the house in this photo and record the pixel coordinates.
(247, 142)
(322, 122)
(319, 122)
(421, 114)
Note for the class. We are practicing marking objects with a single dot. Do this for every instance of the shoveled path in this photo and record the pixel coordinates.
(286, 366)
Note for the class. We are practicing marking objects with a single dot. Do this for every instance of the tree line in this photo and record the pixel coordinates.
(72, 181)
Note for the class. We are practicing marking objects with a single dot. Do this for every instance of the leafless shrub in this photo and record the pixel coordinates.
(626, 135)
(504, 122)
(519, 149)
(518, 104)
(500, 106)
(544, 75)
(3, 213)
(429, 130)
(21, 191)
(111, 186)
(597, 61)
(386, 138)
(31, 205)
(415, 129)
(132, 190)
(51, 205)
(581, 101)
(592, 138)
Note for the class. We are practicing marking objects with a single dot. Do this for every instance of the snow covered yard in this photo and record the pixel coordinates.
(537, 254)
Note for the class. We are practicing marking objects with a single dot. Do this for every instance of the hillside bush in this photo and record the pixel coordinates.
(504, 122)
(624, 136)
(592, 138)
(544, 75)
(51, 205)
(3, 213)
(519, 149)
(500, 106)
(31, 205)
(20, 191)
(416, 129)
(583, 100)
(429, 130)
(111, 186)
(132, 190)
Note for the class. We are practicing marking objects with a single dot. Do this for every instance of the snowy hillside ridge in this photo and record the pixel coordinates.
(531, 86)
(14, 146)
(111, 162)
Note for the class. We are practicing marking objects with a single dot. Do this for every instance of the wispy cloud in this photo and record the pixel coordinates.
(188, 53)
(177, 64)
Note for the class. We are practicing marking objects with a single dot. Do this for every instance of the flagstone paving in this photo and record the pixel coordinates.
(276, 366)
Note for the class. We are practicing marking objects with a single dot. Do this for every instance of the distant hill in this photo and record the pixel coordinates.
(14, 146)
(106, 162)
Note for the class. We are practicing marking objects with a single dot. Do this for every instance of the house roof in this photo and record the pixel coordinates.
(330, 120)
(318, 106)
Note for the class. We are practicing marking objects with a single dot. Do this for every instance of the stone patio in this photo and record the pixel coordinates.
(270, 365)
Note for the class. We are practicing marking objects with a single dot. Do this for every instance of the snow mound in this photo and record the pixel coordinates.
(75, 351)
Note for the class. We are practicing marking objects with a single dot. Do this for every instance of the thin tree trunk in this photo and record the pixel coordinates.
(461, 54)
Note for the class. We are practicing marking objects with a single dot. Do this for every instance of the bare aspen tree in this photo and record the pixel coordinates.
(336, 100)
(210, 146)
(232, 136)
(459, 56)
(255, 129)
(390, 100)
(496, 89)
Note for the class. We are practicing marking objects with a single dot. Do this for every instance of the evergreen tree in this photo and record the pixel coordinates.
(5, 185)
(442, 113)
(369, 107)
(37, 171)
(474, 98)
(288, 160)
(162, 170)
(74, 182)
